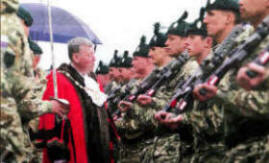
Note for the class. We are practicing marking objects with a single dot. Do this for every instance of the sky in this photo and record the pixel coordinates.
(119, 24)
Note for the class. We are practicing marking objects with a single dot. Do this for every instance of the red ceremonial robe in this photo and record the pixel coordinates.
(67, 91)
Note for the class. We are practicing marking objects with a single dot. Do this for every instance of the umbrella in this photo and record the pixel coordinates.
(64, 25)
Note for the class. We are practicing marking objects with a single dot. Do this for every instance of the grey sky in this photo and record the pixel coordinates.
(119, 24)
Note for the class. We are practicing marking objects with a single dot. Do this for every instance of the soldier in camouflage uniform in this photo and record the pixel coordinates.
(246, 112)
(206, 125)
(125, 69)
(161, 145)
(102, 74)
(18, 102)
(113, 73)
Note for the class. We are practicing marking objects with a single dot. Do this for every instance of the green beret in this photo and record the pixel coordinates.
(180, 26)
(158, 39)
(25, 15)
(35, 47)
(102, 69)
(126, 61)
(115, 60)
(198, 27)
(143, 49)
(229, 5)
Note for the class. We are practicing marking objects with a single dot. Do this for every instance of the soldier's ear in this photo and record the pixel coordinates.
(230, 18)
(209, 42)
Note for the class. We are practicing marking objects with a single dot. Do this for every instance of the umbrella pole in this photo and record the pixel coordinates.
(52, 52)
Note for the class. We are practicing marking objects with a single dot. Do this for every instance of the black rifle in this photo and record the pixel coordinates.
(239, 54)
(183, 96)
(167, 72)
(262, 60)
(129, 96)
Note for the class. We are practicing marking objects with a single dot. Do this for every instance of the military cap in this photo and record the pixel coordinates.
(35, 47)
(126, 60)
(198, 27)
(25, 15)
(180, 26)
(143, 49)
(102, 68)
(114, 61)
(230, 5)
(158, 39)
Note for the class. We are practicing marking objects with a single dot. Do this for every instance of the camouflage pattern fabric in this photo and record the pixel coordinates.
(140, 122)
(19, 104)
(245, 115)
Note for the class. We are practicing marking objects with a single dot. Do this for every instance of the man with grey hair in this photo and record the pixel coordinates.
(88, 136)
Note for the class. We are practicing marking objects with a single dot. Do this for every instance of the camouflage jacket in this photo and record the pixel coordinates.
(19, 103)
(141, 119)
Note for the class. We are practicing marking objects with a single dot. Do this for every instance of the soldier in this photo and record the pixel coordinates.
(113, 73)
(161, 145)
(125, 68)
(246, 111)
(206, 118)
(102, 74)
(17, 98)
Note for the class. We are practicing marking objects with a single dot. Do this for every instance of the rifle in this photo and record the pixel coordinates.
(262, 60)
(239, 54)
(145, 84)
(167, 73)
(183, 96)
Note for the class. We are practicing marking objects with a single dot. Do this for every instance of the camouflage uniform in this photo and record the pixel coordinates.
(247, 111)
(111, 86)
(18, 102)
(160, 145)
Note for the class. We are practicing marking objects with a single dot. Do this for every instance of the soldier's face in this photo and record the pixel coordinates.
(126, 73)
(139, 63)
(175, 44)
(85, 58)
(195, 45)
(113, 72)
(252, 9)
(157, 54)
(215, 21)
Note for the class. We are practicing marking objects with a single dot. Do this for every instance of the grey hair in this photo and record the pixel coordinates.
(74, 43)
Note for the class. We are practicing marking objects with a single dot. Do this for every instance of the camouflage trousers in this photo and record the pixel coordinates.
(210, 153)
(162, 149)
(256, 151)
(130, 152)
(15, 145)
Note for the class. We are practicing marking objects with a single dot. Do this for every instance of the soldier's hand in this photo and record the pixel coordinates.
(210, 91)
(59, 108)
(144, 99)
(247, 82)
(161, 115)
(168, 119)
(124, 106)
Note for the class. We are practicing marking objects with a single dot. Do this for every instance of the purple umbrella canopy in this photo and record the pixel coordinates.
(64, 25)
